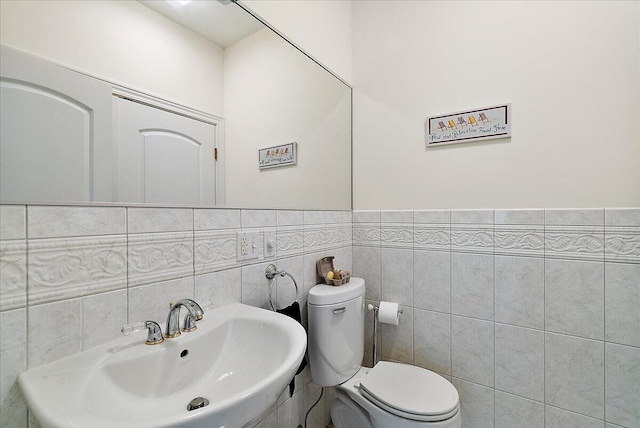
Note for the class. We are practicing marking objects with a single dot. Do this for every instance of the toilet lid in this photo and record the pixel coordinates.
(410, 391)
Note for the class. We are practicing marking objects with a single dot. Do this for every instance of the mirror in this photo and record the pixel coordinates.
(166, 103)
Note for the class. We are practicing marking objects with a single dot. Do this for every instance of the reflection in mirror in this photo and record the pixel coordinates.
(164, 102)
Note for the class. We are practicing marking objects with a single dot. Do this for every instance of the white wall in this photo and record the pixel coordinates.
(120, 41)
(570, 70)
(321, 28)
(268, 83)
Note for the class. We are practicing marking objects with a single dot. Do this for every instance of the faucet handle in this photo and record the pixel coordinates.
(153, 337)
(189, 324)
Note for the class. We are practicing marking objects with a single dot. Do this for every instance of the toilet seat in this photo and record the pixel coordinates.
(410, 392)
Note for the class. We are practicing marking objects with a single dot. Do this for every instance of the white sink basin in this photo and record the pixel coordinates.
(240, 359)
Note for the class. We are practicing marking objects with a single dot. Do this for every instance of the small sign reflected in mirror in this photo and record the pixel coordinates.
(284, 155)
(467, 126)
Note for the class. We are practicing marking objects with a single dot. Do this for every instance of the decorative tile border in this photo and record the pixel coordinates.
(575, 243)
(314, 238)
(366, 234)
(519, 241)
(290, 241)
(433, 237)
(66, 268)
(215, 250)
(158, 257)
(622, 244)
(337, 236)
(13, 274)
(473, 238)
(396, 235)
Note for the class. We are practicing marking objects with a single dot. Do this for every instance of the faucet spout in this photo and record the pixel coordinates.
(173, 319)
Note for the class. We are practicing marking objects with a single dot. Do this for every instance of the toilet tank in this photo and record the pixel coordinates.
(336, 331)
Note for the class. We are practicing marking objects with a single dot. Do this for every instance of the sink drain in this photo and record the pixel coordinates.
(197, 403)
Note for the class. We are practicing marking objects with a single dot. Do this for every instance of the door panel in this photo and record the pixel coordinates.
(55, 133)
(163, 157)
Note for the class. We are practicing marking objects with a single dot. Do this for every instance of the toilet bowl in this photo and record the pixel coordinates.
(390, 395)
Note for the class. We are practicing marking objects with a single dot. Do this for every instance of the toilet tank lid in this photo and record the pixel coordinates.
(323, 294)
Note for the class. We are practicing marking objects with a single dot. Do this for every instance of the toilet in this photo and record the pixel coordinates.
(390, 395)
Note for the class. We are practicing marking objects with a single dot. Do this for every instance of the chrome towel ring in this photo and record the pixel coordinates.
(271, 273)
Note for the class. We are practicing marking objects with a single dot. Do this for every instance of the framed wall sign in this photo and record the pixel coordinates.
(467, 126)
(284, 155)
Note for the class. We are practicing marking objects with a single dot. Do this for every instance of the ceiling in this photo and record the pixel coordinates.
(221, 22)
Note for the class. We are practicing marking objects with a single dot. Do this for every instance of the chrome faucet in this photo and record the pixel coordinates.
(154, 335)
(173, 319)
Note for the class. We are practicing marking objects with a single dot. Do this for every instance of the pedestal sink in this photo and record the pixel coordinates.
(239, 359)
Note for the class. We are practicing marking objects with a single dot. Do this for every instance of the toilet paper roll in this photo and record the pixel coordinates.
(388, 313)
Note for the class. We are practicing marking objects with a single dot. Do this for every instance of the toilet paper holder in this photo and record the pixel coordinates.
(375, 309)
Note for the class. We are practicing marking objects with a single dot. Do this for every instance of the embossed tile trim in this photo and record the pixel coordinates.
(432, 237)
(290, 241)
(215, 250)
(396, 235)
(159, 257)
(519, 241)
(338, 236)
(473, 238)
(72, 267)
(13, 274)
(622, 244)
(575, 243)
(366, 234)
(314, 238)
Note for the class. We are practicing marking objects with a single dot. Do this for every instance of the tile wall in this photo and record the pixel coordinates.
(71, 276)
(533, 314)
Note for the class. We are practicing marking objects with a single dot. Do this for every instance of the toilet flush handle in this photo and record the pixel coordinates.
(340, 310)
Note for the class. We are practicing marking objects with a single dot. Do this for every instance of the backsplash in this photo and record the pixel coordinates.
(72, 276)
(533, 314)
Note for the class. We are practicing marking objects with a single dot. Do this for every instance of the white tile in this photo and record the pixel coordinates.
(520, 216)
(622, 217)
(366, 265)
(13, 360)
(216, 218)
(341, 217)
(560, 418)
(13, 274)
(289, 240)
(366, 234)
(148, 220)
(574, 298)
(513, 411)
(315, 238)
(366, 216)
(519, 288)
(291, 413)
(289, 218)
(55, 331)
(397, 276)
(432, 340)
(64, 268)
(215, 250)
(472, 350)
(472, 285)
(397, 340)
(156, 257)
(622, 303)
(57, 222)
(396, 235)
(432, 280)
(472, 216)
(12, 222)
(152, 302)
(432, 216)
(103, 315)
(255, 286)
(396, 216)
(520, 361)
(315, 217)
(219, 288)
(337, 235)
(574, 374)
(622, 385)
(575, 217)
(476, 404)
